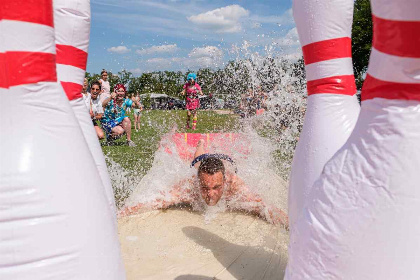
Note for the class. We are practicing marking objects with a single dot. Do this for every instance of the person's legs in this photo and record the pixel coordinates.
(126, 125)
(136, 119)
(194, 123)
(188, 119)
(117, 131)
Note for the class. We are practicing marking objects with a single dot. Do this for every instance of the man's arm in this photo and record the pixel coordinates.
(252, 202)
(177, 195)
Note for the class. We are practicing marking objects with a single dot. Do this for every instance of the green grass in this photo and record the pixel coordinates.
(156, 123)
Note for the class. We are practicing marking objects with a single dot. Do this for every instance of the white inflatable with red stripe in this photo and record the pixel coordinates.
(324, 29)
(361, 220)
(72, 29)
(55, 221)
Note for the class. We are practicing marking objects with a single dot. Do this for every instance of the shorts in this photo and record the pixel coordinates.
(137, 112)
(109, 125)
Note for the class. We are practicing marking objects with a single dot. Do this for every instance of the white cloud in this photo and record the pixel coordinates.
(256, 25)
(209, 51)
(158, 63)
(119, 49)
(285, 19)
(222, 20)
(291, 39)
(158, 49)
(209, 56)
(136, 71)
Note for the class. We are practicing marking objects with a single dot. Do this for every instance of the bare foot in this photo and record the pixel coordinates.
(200, 143)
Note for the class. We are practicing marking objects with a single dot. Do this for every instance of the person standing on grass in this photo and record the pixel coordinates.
(115, 122)
(191, 92)
(137, 113)
(106, 89)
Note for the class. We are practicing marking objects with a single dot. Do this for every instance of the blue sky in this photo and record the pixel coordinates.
(143, 35)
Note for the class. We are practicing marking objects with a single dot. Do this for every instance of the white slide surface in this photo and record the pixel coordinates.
(182, 245)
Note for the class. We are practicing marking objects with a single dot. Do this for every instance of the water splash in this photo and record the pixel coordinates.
(271, 138)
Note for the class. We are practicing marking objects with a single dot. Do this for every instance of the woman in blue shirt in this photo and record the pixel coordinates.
(115, 122)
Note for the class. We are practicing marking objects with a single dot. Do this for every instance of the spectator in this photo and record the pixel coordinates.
(105, 92)
(95, 108)
(85, 92)
(115, 122)
(137, 113)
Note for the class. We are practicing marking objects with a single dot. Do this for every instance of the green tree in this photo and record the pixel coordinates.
(361, 39)
(124, 77)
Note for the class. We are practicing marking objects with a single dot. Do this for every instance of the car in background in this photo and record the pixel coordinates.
(175, 104)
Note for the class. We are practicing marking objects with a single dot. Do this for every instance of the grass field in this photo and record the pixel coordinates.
(156, 123)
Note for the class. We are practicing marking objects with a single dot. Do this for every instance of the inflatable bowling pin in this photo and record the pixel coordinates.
(72, 29)
(55, 222)
(361, 220)
(324, 28)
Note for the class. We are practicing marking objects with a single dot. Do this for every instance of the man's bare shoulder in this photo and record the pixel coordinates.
(234, 184)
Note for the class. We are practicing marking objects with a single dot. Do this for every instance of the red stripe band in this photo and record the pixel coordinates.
(373, 87)
(326, 50)
(72, 90)
(344, 85)
(69, 55)
(35, 11)
(27, 68)
(399, 38)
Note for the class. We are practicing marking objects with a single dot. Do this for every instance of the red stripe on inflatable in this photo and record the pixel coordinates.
(399, 38)
(39, 11)
(27, 68)
(373, 87)
(72, 90)
(69, 55)
(326, 50)
(344, 85)
(3, 74)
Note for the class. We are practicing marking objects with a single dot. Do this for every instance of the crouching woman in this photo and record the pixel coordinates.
(115, 121)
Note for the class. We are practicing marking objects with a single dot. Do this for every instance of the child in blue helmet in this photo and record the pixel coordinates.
(192, 90)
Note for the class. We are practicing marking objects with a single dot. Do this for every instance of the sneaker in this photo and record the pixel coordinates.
(131, 143)
(109, 140)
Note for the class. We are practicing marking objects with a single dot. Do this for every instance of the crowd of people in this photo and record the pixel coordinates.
(110, 108)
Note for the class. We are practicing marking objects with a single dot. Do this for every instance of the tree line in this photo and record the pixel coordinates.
(227, 83)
